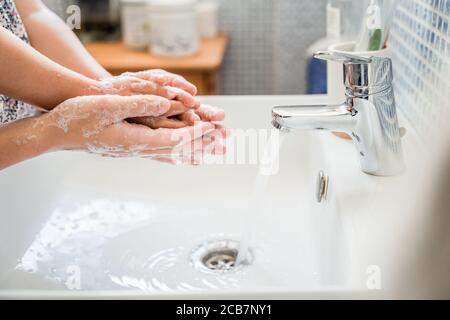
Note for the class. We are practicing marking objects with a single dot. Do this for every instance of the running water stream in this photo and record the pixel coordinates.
(269, 165)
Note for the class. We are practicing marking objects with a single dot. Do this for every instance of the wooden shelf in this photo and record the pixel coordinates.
(117, 58)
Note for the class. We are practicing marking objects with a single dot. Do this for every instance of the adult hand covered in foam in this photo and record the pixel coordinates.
(97, 124)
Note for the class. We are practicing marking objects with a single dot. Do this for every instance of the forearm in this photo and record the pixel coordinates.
(25, 139)
(29, 76)
(54, 39)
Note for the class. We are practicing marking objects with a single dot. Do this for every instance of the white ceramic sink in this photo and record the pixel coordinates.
(77, 225)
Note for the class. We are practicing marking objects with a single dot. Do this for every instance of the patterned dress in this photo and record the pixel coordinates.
(11, 109)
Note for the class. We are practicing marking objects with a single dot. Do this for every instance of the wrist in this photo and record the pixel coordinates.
(93, 87)
(48, 141)
(25, 139)
(110, 86)
(100, 87)
(52, 138)
(72, 86)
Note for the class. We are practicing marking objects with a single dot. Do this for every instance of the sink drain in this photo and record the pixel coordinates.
(220, 259)
(218, 256)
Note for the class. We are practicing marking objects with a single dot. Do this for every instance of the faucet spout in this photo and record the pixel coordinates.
(332, 118)
(369, 113)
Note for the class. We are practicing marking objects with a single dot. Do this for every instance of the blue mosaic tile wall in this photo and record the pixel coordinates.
(420, 39)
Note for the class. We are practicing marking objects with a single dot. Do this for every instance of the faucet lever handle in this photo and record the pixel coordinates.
(345, 58)
(362, 75)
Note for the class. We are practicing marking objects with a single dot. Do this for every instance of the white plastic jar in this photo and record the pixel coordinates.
(135, 23)
(174, 29)
(208, 18)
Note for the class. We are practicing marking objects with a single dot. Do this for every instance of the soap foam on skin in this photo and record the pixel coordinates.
(70, 111)
(25, 141)
(129, 85)
(180, 146)
(158, 76)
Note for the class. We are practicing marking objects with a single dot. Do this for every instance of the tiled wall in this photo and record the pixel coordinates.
(269, 39)
(421, 42)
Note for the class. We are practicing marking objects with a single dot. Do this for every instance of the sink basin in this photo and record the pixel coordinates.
(76, 225)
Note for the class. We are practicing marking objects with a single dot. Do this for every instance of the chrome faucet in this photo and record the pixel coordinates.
(368, 115)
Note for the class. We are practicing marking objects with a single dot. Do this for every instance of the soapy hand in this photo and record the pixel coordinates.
(98, 124)
(164, 78)
(182, 117)
(170, 87)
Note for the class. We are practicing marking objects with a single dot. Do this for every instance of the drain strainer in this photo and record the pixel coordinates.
(218, 256)
(220, 259)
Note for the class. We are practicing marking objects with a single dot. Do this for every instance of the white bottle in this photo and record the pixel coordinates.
(174, 29)
(135, 28)
(208, 18)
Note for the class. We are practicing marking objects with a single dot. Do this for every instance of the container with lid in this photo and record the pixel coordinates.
(208, 18)
(135, 23)
(174, 30)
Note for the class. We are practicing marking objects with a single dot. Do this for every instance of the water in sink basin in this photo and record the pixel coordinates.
(112, 244)
(139, 243)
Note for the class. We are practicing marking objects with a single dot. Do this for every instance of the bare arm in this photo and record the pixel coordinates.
(21, 140)
(29, 76)
(53, 38)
